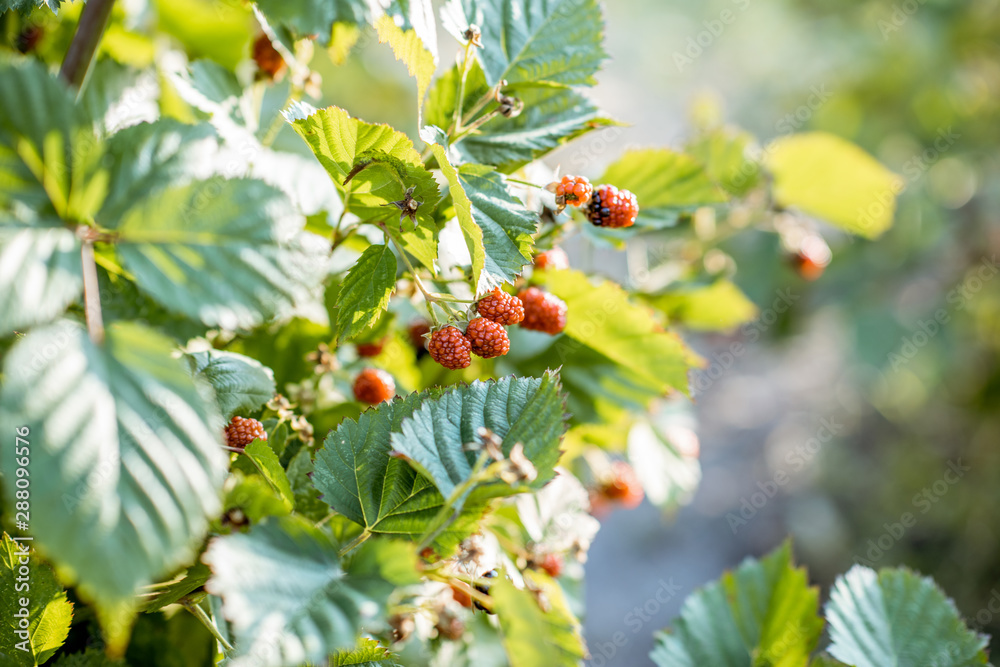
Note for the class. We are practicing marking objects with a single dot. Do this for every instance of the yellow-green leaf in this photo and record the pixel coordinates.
(412, 52)
(717, 307)
(831, 178)
(538, 631)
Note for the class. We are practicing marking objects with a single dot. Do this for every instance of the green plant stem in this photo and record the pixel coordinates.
(475, 126)
(355, 543)
(91, 292)
(456, 124)
(93, 20)
(428, 296)
(200, 614)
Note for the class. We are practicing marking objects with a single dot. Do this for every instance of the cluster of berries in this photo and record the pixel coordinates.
(485, 335)
(607, 206)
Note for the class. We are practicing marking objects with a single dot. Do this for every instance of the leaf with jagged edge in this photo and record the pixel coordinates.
(602, 317)
(368, 654)
(551, 118)
(496, 226)
(241, 384)
(539, 630)
(227, 252)
(286, 596)
(762, 613)
(378, 163)
(269, 466)
(358, 478)
(49, 612)
(533, 42)
(409, 48)
(521, 410)
(896, 617)
(134, 499)
(364, 293)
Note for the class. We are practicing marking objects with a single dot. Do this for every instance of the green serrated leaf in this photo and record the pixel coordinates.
(533, 42)
(831, 178)
(368, 654)
(307, 500)
(34, 597)
(380, 163)
(365, 292)
(663, 181)
(147, 158)
(359, 479)
(496, 226)
(134, 499)
(41, 274)
(551, 118)
(253, 494)
(723, 153)
(897, 617)
(227, 252)
(241, 384)
(518, 410)
(533, 635)
(269, 466)
(285, 595)
(412, 51)
(762, 614)
(602, 317)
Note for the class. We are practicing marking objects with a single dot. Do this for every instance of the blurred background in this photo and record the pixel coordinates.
(862, 415)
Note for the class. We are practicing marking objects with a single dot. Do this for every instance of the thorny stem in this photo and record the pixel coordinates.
(200, 614)
(430, 297)
(93, 21)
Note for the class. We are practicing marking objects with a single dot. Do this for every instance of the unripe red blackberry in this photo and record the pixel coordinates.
(501, 308)
(370, 349)
(373, 386)
(573, 191)
(241, 432)
(488, 338)
(450, 348)
(552, 564)
(552, 259)
(416, 331)
(611, 207)
(623, 485)
(269, 61)
(543, 311)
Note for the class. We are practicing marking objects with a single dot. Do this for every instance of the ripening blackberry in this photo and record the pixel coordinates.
(488, 339)
(501, 308)
(373, 386)
(573, 191)
(450, 348)
(543, 311)
(241, 432)
(611, 207)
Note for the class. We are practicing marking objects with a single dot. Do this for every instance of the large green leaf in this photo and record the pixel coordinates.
(359, 479)
(46, 615)
(227, 252)
(365, 292)
(380, 162)
(518, 410)
(602, 317)
(49, 155)
(831, 178)
(533, 635)
(897, 617)
(763, 614)
(126, 460)
(663, 181)
(551, 117)
(285, 594)
(40, 272)
(241, 384)
(269, 466)
(496, 226)
(147, 158)
(533, 42)
(412, 51)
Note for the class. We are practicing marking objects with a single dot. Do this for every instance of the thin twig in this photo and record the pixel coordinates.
(200, 614)
(93, 21)
(91, 292)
